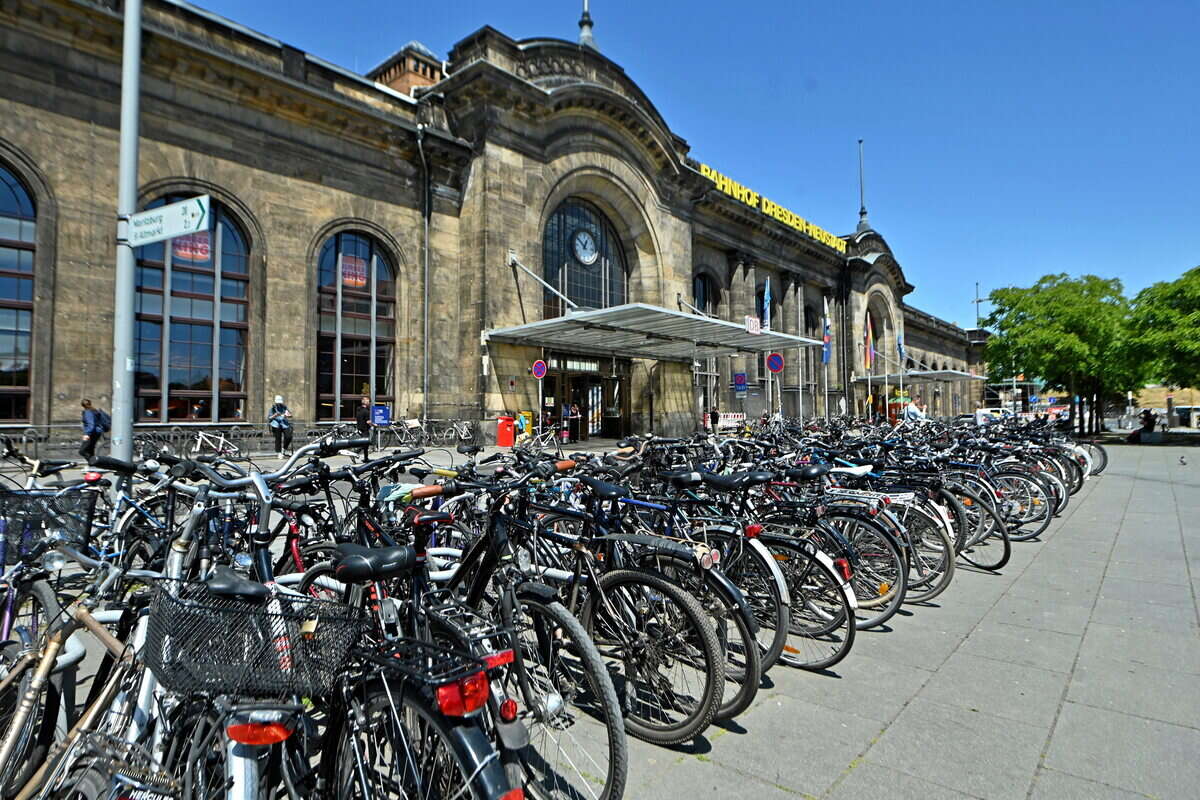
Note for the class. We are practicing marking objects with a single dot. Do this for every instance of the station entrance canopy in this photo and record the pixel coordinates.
(637, 330)
(922, 376)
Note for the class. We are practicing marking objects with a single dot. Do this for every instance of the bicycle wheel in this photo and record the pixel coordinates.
(754, 572)
(33, 738)
(821, 628)
(930, 555)
(879, 572)
(577, 745)
(1027, 506)
(1099, 456)
(992, 550)
(390, 743)
(669, 668)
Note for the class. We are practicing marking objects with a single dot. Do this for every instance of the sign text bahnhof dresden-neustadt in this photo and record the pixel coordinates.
(752, 198)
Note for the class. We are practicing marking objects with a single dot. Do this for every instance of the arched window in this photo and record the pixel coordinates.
(704, 293)
(356, 342)
(193, 295)
(17, 229)
(582, 258)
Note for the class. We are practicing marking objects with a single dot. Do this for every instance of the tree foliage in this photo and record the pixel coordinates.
(1165, 329)
(1072, 333)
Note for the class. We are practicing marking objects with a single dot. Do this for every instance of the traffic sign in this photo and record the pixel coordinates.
(381, 415)
(167, 222)
(539, 369)
(739, 384)
(775, 362)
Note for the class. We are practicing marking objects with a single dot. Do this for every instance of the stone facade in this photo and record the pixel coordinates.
(297, 149)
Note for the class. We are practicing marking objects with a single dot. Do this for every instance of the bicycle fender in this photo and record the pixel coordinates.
(535, 590)
(731, 594)
(812, 550)
(476, 751)
(776, 573)
(851, 598)
(656, 543)
(514, 736)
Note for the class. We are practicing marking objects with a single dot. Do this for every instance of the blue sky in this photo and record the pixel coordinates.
(1004, 140)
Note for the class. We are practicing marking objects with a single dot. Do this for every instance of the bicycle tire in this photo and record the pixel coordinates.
(931, 544)
(688, 628)
(449, 758)
(1028, 505)
(1099, 456)
(879, 571)
(754, 573)
(564, 636)
(820, 608)
(983, 552)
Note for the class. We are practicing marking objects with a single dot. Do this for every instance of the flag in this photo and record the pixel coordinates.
(869, 345)
(827, 337)
(766, 321)
(900, 349)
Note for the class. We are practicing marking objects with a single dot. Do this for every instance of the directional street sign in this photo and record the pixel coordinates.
(167, 222)
(775, 362)
(539, 369)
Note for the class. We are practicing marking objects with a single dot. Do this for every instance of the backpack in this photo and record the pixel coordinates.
(103, 421)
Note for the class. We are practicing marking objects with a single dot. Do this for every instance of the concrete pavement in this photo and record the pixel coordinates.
(1074, 673)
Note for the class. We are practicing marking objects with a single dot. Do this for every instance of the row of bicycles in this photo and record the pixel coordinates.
(396, 628)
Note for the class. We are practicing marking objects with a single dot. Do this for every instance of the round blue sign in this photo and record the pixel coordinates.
(775, 362)
(539, 369)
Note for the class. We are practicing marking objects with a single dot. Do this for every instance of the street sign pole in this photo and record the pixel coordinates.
(122, 369)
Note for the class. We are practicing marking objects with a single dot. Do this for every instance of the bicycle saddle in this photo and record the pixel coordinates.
(468, 449)
(224, 582)
(684, 479)
(112, 464)
(357, 564)
(421, 516)
(602, 489)
(807, 473)
(735, 482)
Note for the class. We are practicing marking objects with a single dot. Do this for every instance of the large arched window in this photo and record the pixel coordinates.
(17, 229)
(192, 308)
(704, 293)
(582, 258)
(357, 339)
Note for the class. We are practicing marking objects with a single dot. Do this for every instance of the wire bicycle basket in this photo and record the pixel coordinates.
(199, 643)
(28, 517)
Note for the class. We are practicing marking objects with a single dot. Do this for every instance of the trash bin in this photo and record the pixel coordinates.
(504, 431)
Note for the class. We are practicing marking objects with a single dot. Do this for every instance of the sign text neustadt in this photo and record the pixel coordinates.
(772, 209)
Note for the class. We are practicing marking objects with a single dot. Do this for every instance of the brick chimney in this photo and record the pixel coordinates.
(413, 65)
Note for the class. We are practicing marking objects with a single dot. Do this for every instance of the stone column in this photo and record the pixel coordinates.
(741, 303)
(790, 310)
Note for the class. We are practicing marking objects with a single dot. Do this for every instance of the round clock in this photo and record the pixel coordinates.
(585, 248)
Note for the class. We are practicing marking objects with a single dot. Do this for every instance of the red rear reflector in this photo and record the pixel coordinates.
(498, 659)
(91, 477)
(753, 530)
(508, 710)
(844, 565)
(258, 733)
(463, 696)
(515, 794)
(887, 501)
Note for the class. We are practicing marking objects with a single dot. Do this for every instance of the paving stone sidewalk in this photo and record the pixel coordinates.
(1075, 673)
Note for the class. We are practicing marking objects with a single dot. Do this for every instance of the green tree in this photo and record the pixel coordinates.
(1165, 329)
(1070, 332)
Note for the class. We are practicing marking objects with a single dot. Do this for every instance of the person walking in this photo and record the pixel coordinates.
(362, 421)
(96, 423)
(279, 418)
(915, 410)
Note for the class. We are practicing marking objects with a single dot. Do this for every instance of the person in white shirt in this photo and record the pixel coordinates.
(915, 409)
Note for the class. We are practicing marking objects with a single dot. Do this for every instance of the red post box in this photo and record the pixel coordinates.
(504, 431)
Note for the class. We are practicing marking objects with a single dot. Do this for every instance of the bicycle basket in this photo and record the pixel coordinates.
(197, 642)
(28, 517)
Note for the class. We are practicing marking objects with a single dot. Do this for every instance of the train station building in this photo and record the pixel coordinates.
(420, 233)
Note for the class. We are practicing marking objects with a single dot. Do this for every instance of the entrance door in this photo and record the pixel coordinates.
(589, 404)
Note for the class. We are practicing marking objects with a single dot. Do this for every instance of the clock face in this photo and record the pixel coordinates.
(585, 247)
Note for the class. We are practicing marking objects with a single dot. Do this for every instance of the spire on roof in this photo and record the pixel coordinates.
(863, 225)
(585, 29)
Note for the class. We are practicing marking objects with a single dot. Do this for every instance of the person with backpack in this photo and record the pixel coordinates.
(96, 423)
(279, 418)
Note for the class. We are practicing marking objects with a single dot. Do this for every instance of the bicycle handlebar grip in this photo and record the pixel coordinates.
(408, 455)
(445, 473)
(564, 465)
(427, 491)
(344, 444)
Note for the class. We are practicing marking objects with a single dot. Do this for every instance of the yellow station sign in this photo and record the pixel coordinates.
(790, 218)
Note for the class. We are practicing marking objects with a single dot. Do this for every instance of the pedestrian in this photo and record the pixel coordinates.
(96, 423)
(362, 421)
(714, 418)
(279, 418)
